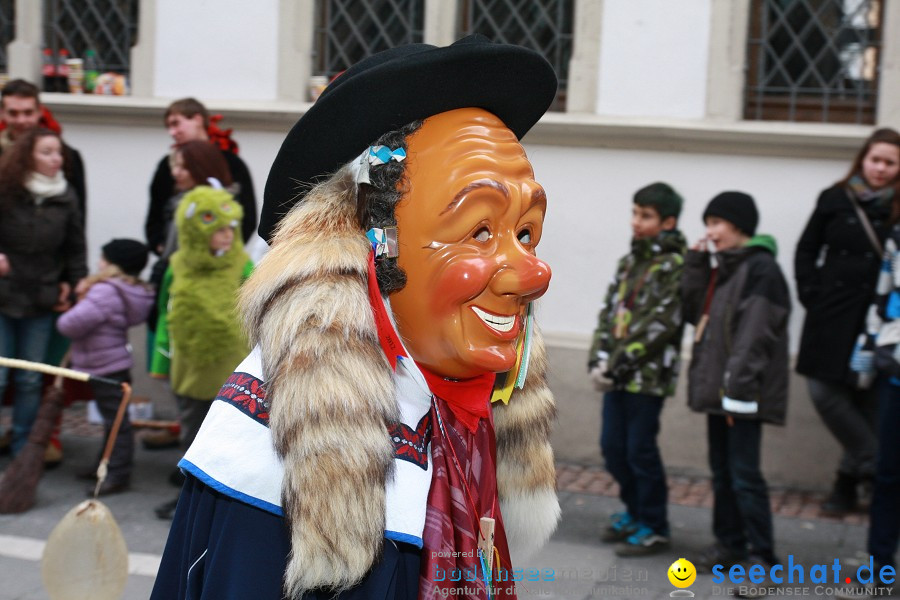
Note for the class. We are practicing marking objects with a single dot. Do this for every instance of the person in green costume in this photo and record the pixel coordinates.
(199, 340)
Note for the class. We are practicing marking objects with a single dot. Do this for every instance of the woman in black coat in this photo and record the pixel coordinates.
(42, 258)
(836, 266)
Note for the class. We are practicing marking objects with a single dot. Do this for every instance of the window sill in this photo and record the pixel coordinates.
(142, 111)
(763, 138)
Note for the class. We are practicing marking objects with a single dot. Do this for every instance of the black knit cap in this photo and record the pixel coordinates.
(660, 196)
(395, 87)
(737, 208)
(128, 255)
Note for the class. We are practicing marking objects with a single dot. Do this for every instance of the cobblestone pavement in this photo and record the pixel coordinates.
(697, 491)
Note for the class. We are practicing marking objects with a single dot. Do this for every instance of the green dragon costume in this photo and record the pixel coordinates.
(199, 340)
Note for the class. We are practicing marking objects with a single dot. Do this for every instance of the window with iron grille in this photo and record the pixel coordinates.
(348, 31)
(109, 27)
(7, 29)
(542, 25)
(813, 60)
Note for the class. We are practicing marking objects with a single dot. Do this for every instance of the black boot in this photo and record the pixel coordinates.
(843, 497)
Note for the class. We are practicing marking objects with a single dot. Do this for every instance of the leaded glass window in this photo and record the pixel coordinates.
(108, 27)
(542, 25)
(813, 60)
(348, 31)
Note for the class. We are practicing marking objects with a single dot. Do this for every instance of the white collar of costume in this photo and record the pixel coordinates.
(233, 452)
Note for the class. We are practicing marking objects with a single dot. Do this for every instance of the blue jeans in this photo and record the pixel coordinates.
(26, 338)
(742, 517)
(628, 443)
(884, 524)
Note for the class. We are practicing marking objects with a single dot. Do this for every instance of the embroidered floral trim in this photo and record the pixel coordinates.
(248, 394)
(412, 445)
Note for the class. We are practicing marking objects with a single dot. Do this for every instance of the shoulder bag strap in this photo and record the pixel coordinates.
(867, 225)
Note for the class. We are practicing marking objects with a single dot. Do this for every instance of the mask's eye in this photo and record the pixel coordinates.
(226, 207)
(208, 217)
(525, 236)
(482, 235)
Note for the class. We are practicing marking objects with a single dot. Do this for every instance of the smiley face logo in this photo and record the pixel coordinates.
(682, 573)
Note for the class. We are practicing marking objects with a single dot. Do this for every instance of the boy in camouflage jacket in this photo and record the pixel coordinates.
(634, 360)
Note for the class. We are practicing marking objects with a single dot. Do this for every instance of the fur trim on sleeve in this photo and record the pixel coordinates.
(331, 391)
(526, 474)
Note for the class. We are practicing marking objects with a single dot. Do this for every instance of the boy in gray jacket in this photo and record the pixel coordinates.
(736, 296)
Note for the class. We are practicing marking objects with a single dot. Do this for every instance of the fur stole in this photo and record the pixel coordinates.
(526, 473)
(330, 388)
(332, 396)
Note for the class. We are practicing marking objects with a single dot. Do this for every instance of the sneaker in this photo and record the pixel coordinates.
(621, 525)
(713, 555)
(643, 542)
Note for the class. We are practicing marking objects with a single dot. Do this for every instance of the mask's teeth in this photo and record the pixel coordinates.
(503, 324)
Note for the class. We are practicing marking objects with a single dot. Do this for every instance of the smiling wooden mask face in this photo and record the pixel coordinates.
(468, 225)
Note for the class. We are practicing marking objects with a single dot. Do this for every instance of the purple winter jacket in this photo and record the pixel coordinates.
(98, 325)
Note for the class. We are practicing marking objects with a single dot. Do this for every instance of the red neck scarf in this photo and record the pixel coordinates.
(469, 399)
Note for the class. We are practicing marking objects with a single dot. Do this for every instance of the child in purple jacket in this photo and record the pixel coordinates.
(110, 302)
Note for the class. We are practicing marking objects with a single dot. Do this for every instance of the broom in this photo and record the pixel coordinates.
(19, 482)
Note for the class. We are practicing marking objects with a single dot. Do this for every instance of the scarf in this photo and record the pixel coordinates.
(464, 478)
(469, 399)
(860, 190)
(43, 187)
(463, 490)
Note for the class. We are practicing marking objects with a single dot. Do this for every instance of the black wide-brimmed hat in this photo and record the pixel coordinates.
(393, 88)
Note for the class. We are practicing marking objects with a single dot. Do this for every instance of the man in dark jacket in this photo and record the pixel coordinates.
(188, 120)
(736, 296)
(20, 111)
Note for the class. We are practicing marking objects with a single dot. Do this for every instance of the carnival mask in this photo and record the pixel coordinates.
(468, 225)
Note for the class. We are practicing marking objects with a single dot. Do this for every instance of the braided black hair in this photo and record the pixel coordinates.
(377, 202)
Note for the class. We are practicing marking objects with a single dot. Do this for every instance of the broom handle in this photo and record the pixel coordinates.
(102, 468)
(16, 363)
(120, 414)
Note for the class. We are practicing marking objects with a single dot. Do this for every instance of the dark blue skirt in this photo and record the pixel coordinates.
(222, 549)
